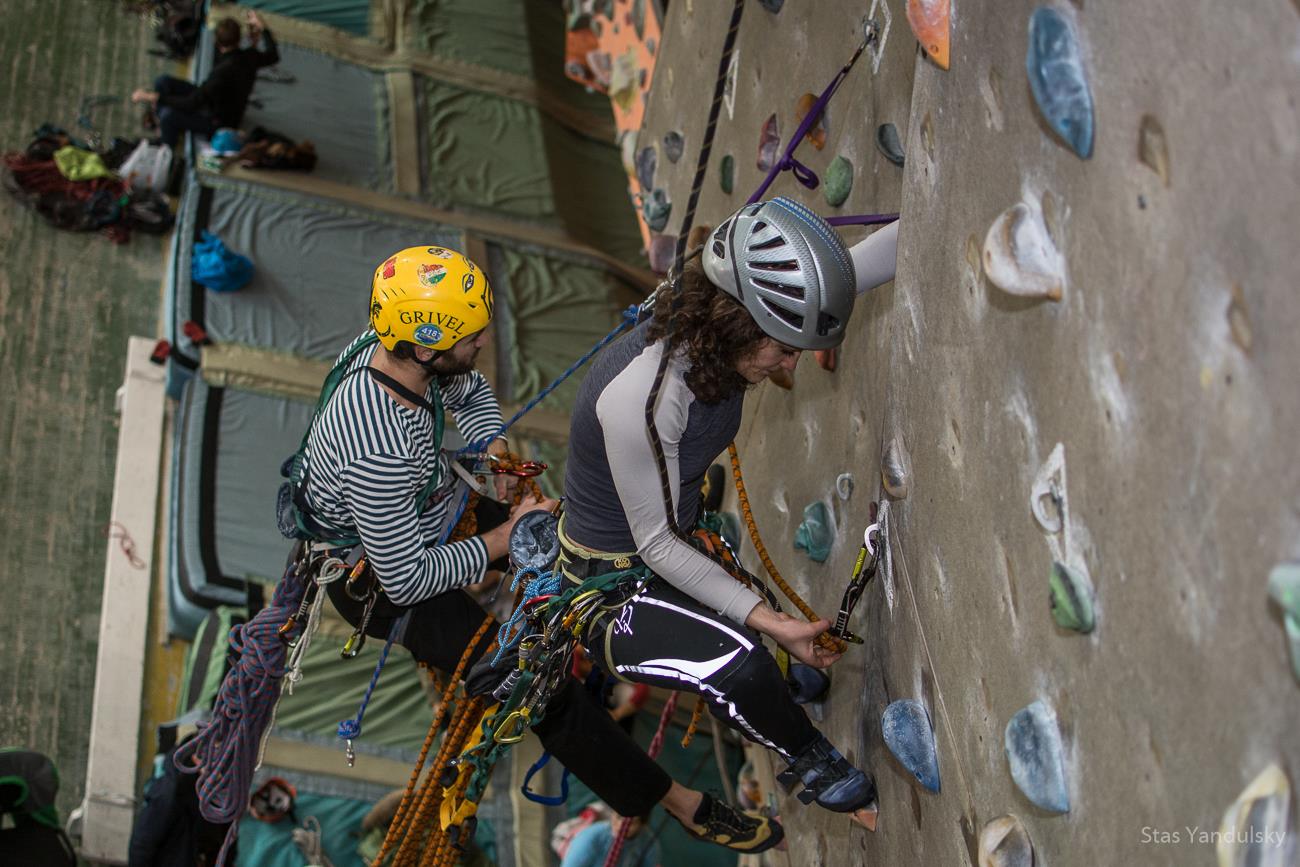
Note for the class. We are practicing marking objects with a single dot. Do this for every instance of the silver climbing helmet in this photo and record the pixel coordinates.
(789, 268)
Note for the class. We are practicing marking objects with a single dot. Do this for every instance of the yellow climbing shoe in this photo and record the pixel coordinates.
(718, 822)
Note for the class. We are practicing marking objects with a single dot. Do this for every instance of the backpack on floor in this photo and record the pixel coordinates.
(30, 835)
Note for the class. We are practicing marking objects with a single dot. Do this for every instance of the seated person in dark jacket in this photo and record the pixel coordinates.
(221, 99)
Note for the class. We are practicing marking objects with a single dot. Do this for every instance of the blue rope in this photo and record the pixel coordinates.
(547, 800)
(350, 729)
(542, 584)
(629, 317)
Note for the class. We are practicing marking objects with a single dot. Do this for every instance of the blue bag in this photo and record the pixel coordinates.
(217, 268)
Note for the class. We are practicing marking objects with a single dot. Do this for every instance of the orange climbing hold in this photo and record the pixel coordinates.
(929, 20)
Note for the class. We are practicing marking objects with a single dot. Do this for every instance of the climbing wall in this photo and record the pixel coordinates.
(1083, 379)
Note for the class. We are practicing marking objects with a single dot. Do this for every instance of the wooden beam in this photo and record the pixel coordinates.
(489, 227)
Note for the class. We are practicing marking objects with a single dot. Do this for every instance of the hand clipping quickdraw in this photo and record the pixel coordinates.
(863, 571)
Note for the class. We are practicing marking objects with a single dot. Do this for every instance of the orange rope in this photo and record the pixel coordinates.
(825, 639)
(694, 724)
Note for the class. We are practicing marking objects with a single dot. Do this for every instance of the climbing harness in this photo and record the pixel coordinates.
(863, 571)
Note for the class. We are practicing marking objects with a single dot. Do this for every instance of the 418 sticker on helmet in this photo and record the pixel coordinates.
(430, 275)
(428, 334)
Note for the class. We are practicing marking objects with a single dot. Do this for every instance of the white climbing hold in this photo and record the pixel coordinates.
(1004, 842)
(844, 486)
(1020, 257)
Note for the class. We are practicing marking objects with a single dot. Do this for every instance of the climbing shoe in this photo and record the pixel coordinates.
(828, 779)
(718, 822)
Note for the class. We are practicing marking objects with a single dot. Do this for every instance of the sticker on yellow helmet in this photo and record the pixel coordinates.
(428, 334)
(430, 275)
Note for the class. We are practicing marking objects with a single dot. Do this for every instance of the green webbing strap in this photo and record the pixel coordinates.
(298, 470)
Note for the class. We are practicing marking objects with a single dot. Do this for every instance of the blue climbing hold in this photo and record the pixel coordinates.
(646, 163)
(814, 534)
(1033, 745)
(910, 737)
(1058, 80)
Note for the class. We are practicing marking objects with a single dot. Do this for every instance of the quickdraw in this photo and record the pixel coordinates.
(863, 571)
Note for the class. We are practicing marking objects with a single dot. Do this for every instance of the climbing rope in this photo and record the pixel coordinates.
(226, 751)
(825, 639)
(656, 747)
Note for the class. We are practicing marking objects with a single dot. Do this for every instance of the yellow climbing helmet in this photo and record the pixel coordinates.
(429, 296)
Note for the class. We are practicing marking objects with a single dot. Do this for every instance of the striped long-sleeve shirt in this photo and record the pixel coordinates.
(368, 459)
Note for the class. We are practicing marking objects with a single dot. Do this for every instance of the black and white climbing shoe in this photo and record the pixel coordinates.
(719, 822)
(828, 779)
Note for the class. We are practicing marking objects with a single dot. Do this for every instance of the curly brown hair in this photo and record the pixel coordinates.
(713, 331)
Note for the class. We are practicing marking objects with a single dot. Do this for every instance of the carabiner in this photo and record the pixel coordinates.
(518, 719)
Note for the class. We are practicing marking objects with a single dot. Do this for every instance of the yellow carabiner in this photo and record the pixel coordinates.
(518, 719)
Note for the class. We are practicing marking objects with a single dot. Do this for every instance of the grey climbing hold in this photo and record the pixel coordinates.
(1152, 147)
(1072, 598)
(1033, 746)
(646, 163)
(910, 737)
(889, 144)
(1047, 499)
(727, 174)
(638, 18)
(839, 181)
(807, 684)
(650, 45)
(1004, 842)
(656, 208)
(1058, 80)
(661, 251)
(844, 486)
(1255, 831)
(814, 534)
(773, 6)
(896, 469)
(1020, 257)
(1284, 587)
(769, 144)
(673, 146)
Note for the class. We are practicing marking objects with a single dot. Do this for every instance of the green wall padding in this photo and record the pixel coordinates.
(486, 153)
(331, 689)
(350, 15)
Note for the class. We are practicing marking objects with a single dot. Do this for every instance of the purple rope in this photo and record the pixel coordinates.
(224, 753)
(802, 173)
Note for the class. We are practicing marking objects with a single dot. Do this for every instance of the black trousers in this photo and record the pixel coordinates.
(666, 638)
(576, 730)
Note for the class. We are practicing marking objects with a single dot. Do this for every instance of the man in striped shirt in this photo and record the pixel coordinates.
(374, 470)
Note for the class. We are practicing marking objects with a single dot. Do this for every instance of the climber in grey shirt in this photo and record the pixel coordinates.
(772, 281)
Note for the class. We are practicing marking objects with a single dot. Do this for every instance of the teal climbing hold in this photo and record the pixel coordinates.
(814, 534)
(1058, 80)
(1284, 587)
(910, 737)
(1033, 746)
(1072, 598)
(889, 144)
(730, 529)
(773, 6)
(727, 174)
(656, 209)
(839, 181)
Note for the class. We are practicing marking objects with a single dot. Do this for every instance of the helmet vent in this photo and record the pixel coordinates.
(827, 323)
(760, 226)
(719, 249)
(789, 317)
(785, 265)
(778, 241)
(794, 293)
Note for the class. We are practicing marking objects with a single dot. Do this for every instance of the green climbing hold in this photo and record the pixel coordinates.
(727, 174)
(1072, 598)
(1284, 587)
(839, 181)
(656, 208)
(814, 534)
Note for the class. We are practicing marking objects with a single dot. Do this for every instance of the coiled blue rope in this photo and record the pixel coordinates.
(225, 750)
(629, 317)
(542, 584)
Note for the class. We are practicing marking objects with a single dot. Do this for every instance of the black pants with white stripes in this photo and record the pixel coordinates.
(666, 638)
(576, 730)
